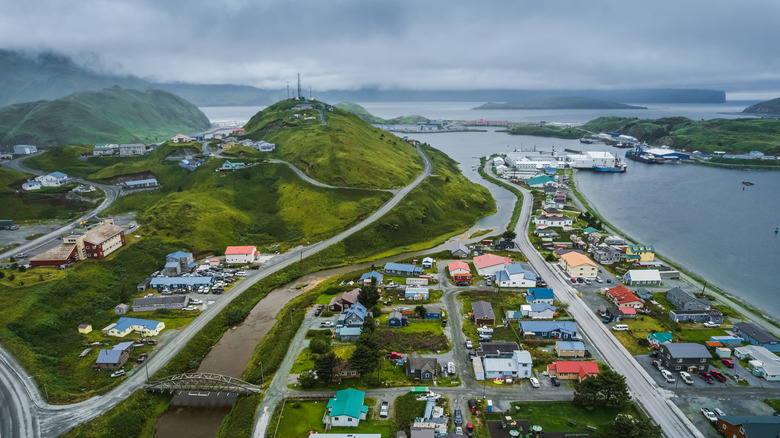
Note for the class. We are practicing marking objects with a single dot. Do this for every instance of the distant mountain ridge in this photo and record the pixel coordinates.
(370, 118)
(113, 115)
(769, 107)
(560, 103)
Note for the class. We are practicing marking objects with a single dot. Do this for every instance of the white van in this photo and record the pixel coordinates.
(620, 327)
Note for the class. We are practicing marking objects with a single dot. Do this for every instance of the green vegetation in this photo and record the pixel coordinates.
(407, 408)
(346, 152)
(299, 417)
(771, 107)
(422, 337)
(559, 103)
(46, 203)
(112, 115)
(241, 419)
(370, 118)
(567, 417)
(546, 131)
(730, 135)
(134, 416)
(518, 204)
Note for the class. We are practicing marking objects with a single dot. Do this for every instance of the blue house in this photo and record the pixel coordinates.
(549, 329)
(354, 316)
(403, 269)
(397, 319)
(432, 311)
(368, 277)
(540, 295)
(757, 336)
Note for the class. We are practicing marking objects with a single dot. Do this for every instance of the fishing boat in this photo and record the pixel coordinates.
(586, 141)
(619, 169)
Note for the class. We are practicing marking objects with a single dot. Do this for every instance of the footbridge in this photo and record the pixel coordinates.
(202, 382)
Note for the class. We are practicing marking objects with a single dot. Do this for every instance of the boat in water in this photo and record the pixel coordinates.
(619, 169)
(640, 154)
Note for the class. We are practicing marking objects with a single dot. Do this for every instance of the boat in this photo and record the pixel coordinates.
(586, 141)
(620, 169)
(639, 154)
(747, 183)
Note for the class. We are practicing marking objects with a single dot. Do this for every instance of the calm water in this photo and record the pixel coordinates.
(697, 216)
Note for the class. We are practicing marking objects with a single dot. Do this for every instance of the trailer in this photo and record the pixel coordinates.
(8, 225)
(418, 389)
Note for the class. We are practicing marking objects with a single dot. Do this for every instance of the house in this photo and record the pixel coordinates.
(96, 243)
(343, 301)
(753, 426)
(539, 181)
(264, 146)
(685, 300)
(623, 297)
(763, 362)
(643, 293)
(181, 138)
(614, 240)
(538, 311)
(229, 166)
(241, 254)
(57, 256)
(191, 163)
(479, 367)
(497, 349)
(150, 304)
(578, 265)
(178, 262)
(121, 309)
(460, 251)
(558, 252)
(545, 232)
(428, 262)
(518, 366)
(397, 319)
(181, 283)
(640, 253)
(54, 179)
(238, 131)
(699, 316)
(543, 221)
(348, 334)
(460, 271)
(131, 149)
(214, 261)
(345, 409)
(607, 255)
(416, 293)
(353, 316)
(140, 287)
(25, 149)
(112, 359)
(342, 370)
(548, 329)
(140, 184)
(755, 335)
(489, 264)
(515, 276)
(658, 338)
(570, 349)
(686, 356)
(32, 185)
(590, 230)
(372, 277)
(618, 313)
(85, 328)
(423, 368)
(402, 269)
(126, 325)
(513, 315)
(105, 149)
(483, 313)
(573, 370)
(540, 295)
(650, 277)
(432, 311)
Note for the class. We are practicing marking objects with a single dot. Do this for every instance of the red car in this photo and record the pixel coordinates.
(574, 280)
(727, 362)
(718, 375)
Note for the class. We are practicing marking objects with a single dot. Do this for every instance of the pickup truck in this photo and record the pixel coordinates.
(326, 324)
(394, 355)
(383, 410)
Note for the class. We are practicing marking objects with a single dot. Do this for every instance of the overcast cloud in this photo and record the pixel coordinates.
(348, 44)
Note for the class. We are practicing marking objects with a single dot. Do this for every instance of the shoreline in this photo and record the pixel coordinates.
(721, 296)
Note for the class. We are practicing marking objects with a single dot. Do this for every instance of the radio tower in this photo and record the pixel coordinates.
(288, 89)
(300, 95)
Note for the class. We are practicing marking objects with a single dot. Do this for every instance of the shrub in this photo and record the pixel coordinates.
(319, 346)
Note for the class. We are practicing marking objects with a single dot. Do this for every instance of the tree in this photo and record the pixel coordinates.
(550, 257)
(586, 393)
(324, 365)
(2, 275)
(306, 379)
(368, 333)
(509, 235)
(368, 296)
(124, 295)
(614, 390)
(420, 311)
(319, 346)
(364, 359)
(625, 426)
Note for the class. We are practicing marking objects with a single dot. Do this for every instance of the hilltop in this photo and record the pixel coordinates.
(112, 115)
(370, 118)
(769, 107)
(345, 152)
(559, 103)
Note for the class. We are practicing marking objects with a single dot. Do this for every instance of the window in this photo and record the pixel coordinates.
(703, 360)
(679, 360)
(349, 418)
(678, 367)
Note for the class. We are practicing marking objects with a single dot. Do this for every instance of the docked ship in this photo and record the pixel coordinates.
(619, 167)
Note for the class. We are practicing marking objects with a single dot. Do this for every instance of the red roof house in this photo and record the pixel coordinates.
(490, 263)
(460, 271)
(624, 297)
(573, 370)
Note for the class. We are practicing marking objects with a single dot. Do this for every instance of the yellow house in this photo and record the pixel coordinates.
(228, 144)
(640, 253)
(578, 265)
(85, 328)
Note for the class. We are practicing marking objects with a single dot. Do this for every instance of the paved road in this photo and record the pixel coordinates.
(28, 406)
(111, 194)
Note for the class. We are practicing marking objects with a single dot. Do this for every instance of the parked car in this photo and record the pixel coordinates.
(394, 355)
(587, 281)
(718, 375)
(469, 345)
(458, 430)
(580, 280)
(489, 282)
(668, 376)
(319, 310)
(534, 382)
(574, 280)
(599, 280)
(142, 357)
(555, 381)
(458, 417)
(326, 324)
(709, 414)
(609, 280)
(118, 373)
(462, 283)
(383, 410)
(196, 301)
(711, 324)
(188, 308)
(719, 413)
(727, 362)
(686, 377)
(240, 274)
(706, 377)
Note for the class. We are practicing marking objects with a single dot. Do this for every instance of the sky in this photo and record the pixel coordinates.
(415, 44)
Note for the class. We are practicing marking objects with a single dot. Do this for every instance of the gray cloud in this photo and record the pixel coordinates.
(413, 44)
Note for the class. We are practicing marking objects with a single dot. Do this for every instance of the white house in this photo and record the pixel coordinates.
(543, 221)
(650, 277)
(125, 326)
(346, 409)
(240, 254)
(489, 264)
(32, 185)
(515, 276)
(25, 149)
(428, 262)
(518, 366)
(54, 179)
(538, 311)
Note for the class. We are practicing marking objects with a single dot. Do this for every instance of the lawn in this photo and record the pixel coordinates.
(46, 203)
(566, 417)
(299, 418)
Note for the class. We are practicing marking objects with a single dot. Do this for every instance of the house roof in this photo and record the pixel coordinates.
(570, 345)
(239, 250)
(372, 274)
(636, 249)
(576, 259)
(458, 265)
(396, 315)
(347, 402)
(179, 255)
(151, 301)
(460, 247)
(139, 182)
(540, 293)
(581, 367)
(59, 252)
(548, 326)
(516, 268)
(687, 350)
(58, 175)
(124, 323)
(417, 362)
(760, 335)
(102, 233)
(402, 267)
(590, 230)
(122, 346)
(496, 347)
(755, 425)
(432, 308)
(358, 309)
(644, 275)
(83, 326)
(348, 296)
(110, 357)
(349, 331)
(543, 179)
(488, 260)
(482, 309)
(622, 295)
(627, 310)
(540, 307)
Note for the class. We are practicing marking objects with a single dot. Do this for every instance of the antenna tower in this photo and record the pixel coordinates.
(299, 86)
(288, 89)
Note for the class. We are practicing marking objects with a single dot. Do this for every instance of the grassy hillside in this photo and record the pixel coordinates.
(46, 203)
(546, 131)
(370, 118)
(345, 152)
(730, 135)
(769, 107)
(559, 103)
(112, 115)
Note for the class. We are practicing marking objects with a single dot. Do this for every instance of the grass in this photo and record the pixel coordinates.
(518, 203)
(547, 131)
(46, 203)
(299, 418)
(134, 416)
(556, 416)
(241, 419)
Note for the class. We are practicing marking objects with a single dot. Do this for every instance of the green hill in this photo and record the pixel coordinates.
(559, 103)
(370, 118)
(112, 115)
(769, 107)
(730, 135)
(345, 151)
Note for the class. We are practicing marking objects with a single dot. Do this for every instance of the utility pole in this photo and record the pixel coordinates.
(262, 376)
(299, 86)
(288, 89)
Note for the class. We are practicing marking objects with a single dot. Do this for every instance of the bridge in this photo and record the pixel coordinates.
(202, 382)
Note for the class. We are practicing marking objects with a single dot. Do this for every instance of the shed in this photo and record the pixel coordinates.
(85, 328)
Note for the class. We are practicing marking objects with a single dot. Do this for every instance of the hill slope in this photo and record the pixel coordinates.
(769, 107)
(345, 151)
(370, 118)
(559, 103)
(112, 115)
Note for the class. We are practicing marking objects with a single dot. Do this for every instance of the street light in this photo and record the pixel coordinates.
(44, 386)
(291, 318)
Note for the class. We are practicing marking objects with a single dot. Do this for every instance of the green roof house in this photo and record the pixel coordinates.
(228, 166)
(659, 338)
(345, 409)
(539, 181)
